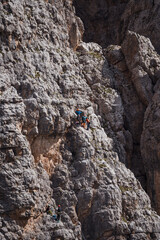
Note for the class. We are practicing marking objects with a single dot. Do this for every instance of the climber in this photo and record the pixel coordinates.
(78, 112)
(58, 216)
(49, 210)
(88, 123)
(84, 121)
(58, 213)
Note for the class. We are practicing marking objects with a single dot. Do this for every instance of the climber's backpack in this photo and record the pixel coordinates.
(82, 114)
(84, 119)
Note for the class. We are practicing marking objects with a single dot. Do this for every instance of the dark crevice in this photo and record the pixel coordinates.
(106, 21)
(103, 25)
(101, 20)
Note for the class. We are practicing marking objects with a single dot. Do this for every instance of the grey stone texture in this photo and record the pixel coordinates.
(107, 22)
(46, 72)
(142, 67)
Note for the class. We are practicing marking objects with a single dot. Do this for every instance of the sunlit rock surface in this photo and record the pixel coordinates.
(46, 72)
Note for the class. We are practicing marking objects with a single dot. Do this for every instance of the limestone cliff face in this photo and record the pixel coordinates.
(46, 72)
(139, 87)
(135, 65)
(106, 21)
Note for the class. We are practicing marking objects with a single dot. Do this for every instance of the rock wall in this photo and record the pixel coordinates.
(46, 73)
(140, 82)
(135, 65)
(102, 20)
(106, 22)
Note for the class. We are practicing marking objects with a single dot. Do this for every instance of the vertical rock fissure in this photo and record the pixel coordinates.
(83, 9)
(101, 20)
(107, 22)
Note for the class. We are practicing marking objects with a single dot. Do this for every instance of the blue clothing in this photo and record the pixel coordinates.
(78, 113)
(88, 125)
(84, 119)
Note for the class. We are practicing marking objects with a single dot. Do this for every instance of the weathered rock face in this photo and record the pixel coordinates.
(142, 17)
(150, 148)
(106, 22)
(101, 20)
(137, 66)
(48, 159)
(133, 109)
